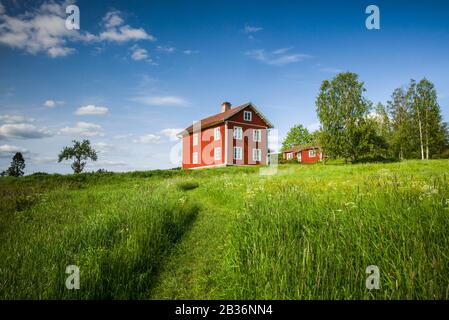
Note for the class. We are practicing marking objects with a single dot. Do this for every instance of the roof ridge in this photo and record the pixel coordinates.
(223, 116)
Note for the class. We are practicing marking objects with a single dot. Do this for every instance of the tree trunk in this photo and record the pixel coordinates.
(421, 136)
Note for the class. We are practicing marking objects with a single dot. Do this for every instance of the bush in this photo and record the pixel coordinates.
(188, 185)
(443, 155)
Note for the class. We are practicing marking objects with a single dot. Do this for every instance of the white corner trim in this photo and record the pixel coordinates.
(226, 144)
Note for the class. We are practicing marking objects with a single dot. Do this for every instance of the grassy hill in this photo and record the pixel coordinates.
(308, 232)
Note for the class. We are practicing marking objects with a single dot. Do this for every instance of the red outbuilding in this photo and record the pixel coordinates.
(303, 154)
(235, 136)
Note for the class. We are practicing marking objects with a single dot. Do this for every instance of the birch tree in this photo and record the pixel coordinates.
(342, 110)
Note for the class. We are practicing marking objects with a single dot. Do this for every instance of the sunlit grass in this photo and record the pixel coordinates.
(308, 232)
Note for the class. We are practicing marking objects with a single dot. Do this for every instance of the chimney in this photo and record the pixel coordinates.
(225, 106)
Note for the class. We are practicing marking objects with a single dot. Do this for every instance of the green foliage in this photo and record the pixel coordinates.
(80, 152)
(17, 166)
(443, 155)
(429, 115)
(188, 185)
(401, 123)
(417, 127)
(342, 110)
(409, 127)
(296, 136)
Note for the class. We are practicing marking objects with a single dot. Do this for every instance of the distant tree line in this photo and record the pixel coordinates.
(410, 126)
(80, 152)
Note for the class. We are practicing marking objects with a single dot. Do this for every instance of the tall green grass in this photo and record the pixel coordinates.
(308, 232)
(313, 237)
(118, 237)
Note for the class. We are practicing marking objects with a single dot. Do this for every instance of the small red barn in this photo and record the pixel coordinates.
(235, 136)
(310, 154)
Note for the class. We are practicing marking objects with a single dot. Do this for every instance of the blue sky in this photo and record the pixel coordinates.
(137, 71)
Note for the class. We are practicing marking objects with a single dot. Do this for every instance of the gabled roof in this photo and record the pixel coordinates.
(301, 148)
(223, 116)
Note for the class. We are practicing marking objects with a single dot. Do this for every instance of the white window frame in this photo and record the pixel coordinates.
(249, 118)
(239, 154)
(217, 153)
(257, 155)
(289, 155)
(312, 153)
(240, 130)
(217, 133)
(257, 137)
(195, 158)
(195, 139)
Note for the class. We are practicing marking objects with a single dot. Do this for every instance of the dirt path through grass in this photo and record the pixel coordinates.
(193, 270)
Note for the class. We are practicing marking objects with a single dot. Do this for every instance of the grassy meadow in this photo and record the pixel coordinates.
(308, 232)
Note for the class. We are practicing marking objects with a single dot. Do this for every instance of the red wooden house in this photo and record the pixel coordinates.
(235, 136)
(310, 154)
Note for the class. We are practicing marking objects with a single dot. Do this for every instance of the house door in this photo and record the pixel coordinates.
(298, 156)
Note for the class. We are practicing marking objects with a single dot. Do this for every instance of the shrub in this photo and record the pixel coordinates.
(188, 185)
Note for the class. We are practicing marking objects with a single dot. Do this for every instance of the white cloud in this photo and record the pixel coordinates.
(116, 30)
(91, 110)
(277, 57)
(23, 131)
(107, 163)
(112, 19)
(7, 150)
(161, 101)
(171, 133)
(7, 118)
(189, 52)
(139, 54)
(125, 33)
(85, 129)
(60, 51)
(40, 30)
(167, 49)
(52, 103)
(43, 30)
(123, 136)
(103, 147)
(149, 139)
(41, 159)
(252, 29)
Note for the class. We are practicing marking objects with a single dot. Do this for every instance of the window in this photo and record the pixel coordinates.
(289, 155)
(217, 134)
(217, 153)
(238, 133)
(195, 158)
(257, 155)
(237, 153)
(247, 115)
(312, 153)
(195, 139)
(257, 135)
